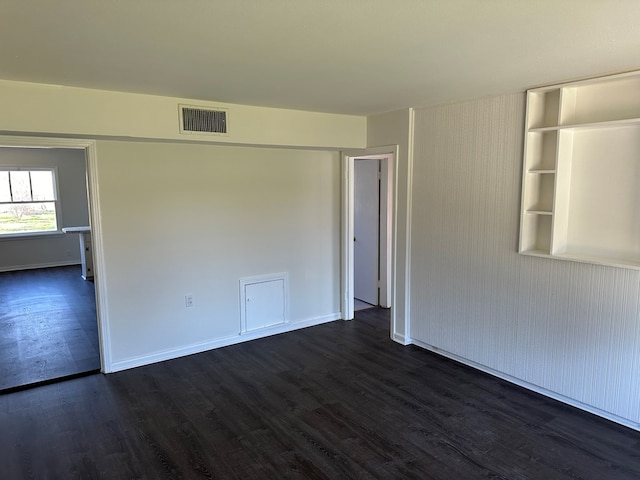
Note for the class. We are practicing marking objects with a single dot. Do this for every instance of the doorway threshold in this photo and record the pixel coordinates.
(48, 381)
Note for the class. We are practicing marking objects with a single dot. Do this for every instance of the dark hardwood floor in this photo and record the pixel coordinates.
(48, 327)
(336, 401)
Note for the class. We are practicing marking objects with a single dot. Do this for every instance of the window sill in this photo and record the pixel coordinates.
(30, 235)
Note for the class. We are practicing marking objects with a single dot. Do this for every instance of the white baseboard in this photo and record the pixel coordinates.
(530, 386)
(218, 343)
(33, 266)
(401, 339)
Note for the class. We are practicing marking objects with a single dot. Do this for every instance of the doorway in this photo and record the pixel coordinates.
(368, 229)
(51, 321)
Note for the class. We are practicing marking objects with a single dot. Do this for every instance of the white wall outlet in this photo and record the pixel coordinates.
(188, 300)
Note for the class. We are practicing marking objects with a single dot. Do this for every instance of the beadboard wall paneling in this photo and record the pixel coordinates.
(567, 327)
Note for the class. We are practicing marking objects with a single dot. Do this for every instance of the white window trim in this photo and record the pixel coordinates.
(57, 203)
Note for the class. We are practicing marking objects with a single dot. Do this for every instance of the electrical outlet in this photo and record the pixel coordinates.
(188, 300)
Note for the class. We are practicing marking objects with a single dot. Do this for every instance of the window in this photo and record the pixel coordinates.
(28, 201)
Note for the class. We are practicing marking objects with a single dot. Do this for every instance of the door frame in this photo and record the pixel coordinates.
(388, 214)
(89, 147)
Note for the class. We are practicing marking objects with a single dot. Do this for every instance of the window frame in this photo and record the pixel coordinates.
(56, 201)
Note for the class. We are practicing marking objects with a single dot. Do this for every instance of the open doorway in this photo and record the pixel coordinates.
(366, 233)
(368, 229)
(48, 308)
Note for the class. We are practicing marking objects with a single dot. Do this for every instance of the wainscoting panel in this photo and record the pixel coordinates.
(566, 327)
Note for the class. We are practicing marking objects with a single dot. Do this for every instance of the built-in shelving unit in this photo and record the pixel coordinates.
(581, 173)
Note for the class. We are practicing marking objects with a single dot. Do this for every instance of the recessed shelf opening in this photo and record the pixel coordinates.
(541, 151)
(581, 173)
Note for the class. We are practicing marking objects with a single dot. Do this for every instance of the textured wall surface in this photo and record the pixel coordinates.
(570, 328)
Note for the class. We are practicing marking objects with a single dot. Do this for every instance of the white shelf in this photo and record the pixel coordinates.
(609, 261)
(536, 253)
(627, 122)
(581, 172)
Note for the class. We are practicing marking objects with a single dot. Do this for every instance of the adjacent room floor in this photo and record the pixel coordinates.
(360, 305)
(48, 327)
(335, 401)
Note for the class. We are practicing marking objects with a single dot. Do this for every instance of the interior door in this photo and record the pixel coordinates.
(366, 230)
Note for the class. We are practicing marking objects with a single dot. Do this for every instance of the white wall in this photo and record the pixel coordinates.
(192, 215)
(571, 330)
(50, 250)
(60, 110)
(185, 218)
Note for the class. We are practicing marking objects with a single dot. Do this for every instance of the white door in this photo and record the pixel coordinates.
(264, 303)
(366, 230)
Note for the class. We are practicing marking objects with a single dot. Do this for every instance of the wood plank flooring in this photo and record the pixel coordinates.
(336, 401)
(48, 327)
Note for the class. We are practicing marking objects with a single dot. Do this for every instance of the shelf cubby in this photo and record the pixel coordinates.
(538, 197)
(541, 151)
(606, 101)
(543, 106)
(536, 236)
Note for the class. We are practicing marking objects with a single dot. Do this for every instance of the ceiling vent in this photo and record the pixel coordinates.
(203, 120)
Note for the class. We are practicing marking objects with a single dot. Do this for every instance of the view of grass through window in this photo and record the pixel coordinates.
(27, 201)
